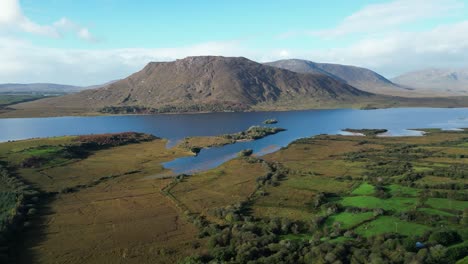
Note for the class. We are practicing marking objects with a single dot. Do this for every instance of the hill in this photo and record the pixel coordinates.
(361, 78)
(448, 81)
(207, 83)
(38, 88)
(28, 88)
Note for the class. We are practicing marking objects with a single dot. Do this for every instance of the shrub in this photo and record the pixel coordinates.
(445, 237)
(270, 121)
(245, 153)
(457, 252)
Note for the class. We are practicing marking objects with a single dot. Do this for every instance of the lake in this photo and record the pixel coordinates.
(299, 124)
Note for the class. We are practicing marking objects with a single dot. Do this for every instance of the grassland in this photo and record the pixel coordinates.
(386, 187)
(324, 199)
(123, 220)
(364, 189)
(349, 220)
(343, 189)
(394, 204)
(9, 99)
(390, 224)
(101, 207)
(231, 183)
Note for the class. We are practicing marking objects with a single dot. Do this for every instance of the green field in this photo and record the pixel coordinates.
(389, 224)
(364, 189)
(435, 212)
(9, 99)
(442, 203)
(396, 203)
(349, 220)
(398, 190)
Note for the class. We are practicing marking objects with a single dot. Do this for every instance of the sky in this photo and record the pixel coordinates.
(90, 42)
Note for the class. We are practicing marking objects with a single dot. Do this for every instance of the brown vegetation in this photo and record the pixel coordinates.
(103, 208)
(114, 139)
(327, 198)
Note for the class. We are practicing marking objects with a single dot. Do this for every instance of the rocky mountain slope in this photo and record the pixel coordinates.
(361, 78)
(208, 83)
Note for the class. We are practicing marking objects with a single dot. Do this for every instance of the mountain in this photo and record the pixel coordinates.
(450, 81)
(38, 88)
(361, 78)
(208, 83)
(46, 87)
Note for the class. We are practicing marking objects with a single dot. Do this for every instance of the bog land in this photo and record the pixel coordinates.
(326, 199)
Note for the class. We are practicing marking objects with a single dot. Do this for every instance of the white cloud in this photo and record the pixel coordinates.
(64, 24)
(284, 53)
(384, 16)
(390, 54)
(13, 19)
(86, 35)
(383, 42)
(396, 52)
(24, 62)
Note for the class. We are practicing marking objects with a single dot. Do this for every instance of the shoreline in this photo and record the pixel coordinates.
(251, 134)
(97, 114)
(424, 132)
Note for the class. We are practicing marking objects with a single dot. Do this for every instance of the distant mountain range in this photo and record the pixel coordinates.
(361, 78)
(45, 88)
(448, 81)
(215, 83)
(39, 88)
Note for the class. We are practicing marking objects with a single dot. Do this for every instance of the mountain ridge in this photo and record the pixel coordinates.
(46, 87)
(217, 84)
(210, 80)
(453, 81)
(359, 77)
(39, 87)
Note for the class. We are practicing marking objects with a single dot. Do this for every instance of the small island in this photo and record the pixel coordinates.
(245, 153)
(366, 132)
(270, 121)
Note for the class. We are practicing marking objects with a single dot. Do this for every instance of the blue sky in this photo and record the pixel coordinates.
(151, 24)
(93, 41)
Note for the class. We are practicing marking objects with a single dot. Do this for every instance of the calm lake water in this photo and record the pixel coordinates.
(299, 124)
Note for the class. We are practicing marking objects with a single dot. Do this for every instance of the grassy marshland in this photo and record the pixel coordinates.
(327, 199)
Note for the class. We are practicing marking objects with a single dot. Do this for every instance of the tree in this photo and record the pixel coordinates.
(319, 199)
(192, 260)
(464, 220)
(445, 237)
